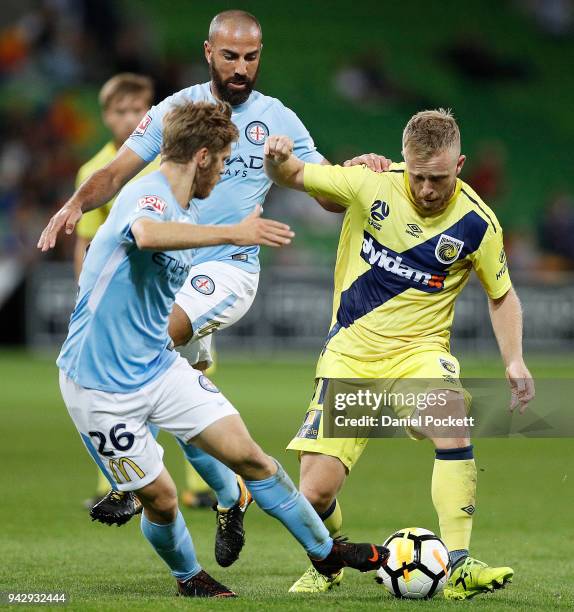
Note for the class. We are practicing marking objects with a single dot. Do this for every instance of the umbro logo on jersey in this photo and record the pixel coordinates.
(448, 249)
(414, 230)
(469, 509)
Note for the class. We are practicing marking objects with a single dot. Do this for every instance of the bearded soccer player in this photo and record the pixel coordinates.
(409, 241)
(119, 372)
(223, 280)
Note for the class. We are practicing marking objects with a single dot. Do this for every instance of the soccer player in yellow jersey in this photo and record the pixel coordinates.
(123, 99)
(409, 241)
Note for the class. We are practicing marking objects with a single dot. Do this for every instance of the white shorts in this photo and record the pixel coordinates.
(182, 401)
(215, 295)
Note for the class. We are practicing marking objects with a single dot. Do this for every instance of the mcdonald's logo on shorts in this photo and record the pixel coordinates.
(119, 469)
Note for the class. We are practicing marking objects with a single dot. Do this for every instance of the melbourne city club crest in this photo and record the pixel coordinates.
(203, 284)
(256, 132)
(448, 249)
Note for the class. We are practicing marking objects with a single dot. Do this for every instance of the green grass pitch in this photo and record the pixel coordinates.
(47, 543)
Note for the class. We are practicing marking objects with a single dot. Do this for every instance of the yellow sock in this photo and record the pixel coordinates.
(103, 485)
(454, 495)
(333, 519)
(194, 481)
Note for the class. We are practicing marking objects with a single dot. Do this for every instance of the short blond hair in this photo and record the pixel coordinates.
(430, 132)
(123, 84)
(191, 126)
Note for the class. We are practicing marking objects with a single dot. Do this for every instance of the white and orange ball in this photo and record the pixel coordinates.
(418, 566)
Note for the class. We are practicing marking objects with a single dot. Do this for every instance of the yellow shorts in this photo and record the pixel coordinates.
(435, 368)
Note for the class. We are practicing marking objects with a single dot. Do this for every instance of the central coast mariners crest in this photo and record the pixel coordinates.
(448, 249)
(447, 365)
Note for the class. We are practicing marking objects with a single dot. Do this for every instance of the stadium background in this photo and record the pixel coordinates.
(354, 74)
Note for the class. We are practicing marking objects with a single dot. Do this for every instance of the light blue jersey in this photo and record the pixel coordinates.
(117, 340)
(243, 183)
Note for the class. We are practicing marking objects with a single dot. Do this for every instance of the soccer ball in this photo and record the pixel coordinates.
(418, 566)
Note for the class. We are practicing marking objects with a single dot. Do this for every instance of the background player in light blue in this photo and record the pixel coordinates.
(223, 281)
(118, 370)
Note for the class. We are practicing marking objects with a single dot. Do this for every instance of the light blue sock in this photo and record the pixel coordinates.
(154, 429)
(219, 477)
(173, 544)
(279, 497)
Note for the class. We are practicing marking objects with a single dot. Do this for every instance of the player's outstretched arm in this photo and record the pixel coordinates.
(173, 236)
(506, 317)
(100, 188)
(281, 166)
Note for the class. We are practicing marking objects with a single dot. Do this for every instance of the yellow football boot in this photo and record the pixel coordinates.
(313, 581)
(473, 577)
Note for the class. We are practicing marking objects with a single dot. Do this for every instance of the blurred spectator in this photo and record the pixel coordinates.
(522, 251)
(316, 230)
(133, 50)
(487, 173)
(55, 54)
(38, 159)
(472, 58)
(52, 42)
(46, 55)
(366, 81)
(555, 17)
(557, 230)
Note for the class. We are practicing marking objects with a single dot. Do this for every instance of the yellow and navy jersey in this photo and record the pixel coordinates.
(90, 222)
(398, 271)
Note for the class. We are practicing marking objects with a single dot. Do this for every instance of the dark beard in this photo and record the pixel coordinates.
(221, 87)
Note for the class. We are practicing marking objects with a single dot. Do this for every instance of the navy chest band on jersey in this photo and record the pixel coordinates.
(391, 273)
